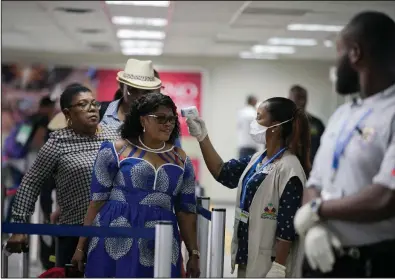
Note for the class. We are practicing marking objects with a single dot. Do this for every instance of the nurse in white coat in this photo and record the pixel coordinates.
(269, 189)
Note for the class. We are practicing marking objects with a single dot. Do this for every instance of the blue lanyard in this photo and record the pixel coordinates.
(342, 144)
(251, 173)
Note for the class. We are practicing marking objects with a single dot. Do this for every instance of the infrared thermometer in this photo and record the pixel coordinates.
(190, 112)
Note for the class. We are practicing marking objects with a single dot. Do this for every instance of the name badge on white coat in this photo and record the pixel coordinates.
(242, 215)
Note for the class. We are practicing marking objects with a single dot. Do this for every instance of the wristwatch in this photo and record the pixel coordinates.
(315, 208)
(195, 252)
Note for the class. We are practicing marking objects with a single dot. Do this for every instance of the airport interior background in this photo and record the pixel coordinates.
(209, 54)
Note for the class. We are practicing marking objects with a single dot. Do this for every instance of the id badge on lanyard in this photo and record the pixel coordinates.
(241, 214)
(332, 191)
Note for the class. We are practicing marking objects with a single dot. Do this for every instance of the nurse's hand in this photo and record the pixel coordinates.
(319, 244)
(276, 271)
(197, 128)
(307, 216)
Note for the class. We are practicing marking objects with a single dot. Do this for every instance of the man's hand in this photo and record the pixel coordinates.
(197, 128)
(319, 243)
(307, 216)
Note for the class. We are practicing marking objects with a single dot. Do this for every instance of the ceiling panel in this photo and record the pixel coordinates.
(208, 28)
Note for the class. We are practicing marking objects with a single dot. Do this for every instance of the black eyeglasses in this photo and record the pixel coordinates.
(162, 119)
(86, 106)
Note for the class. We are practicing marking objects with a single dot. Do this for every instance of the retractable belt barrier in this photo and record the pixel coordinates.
(162, 234)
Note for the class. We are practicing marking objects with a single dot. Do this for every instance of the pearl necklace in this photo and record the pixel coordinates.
(149, 148)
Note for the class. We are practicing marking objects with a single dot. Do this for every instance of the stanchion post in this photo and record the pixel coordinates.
(163, 249)
(4, 261)
(218, 217)
(25, 264)
(203, 233)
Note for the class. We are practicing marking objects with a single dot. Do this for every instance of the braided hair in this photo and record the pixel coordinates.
(145, 105)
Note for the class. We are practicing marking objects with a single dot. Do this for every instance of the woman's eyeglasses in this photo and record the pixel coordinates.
(162, 119)
(86, 106)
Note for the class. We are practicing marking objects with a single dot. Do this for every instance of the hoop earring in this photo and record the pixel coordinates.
(69, 122)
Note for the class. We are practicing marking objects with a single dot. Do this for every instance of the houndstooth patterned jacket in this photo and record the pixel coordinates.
(69, 158)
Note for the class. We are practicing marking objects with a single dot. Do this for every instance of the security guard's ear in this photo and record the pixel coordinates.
(355, 54)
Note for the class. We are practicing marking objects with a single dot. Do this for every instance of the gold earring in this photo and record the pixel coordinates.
(69, 122)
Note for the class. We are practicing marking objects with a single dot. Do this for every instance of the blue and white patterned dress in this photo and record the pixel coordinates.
(137, 195)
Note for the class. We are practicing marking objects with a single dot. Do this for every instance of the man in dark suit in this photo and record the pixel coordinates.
(298, 94)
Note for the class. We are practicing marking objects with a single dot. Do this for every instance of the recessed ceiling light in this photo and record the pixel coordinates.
(328, 43)
(140, 44)
(292, 42)
(140, 34)
(315, 27)
(141, 3)
(126, 20)
(142, 51)
(273, 49)
(251, 55)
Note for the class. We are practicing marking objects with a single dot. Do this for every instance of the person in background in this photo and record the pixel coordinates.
(38, 135)
(269, 188)
(68, 156)
(298, 94)
(348, 216)
(138, 181)
(245, 116)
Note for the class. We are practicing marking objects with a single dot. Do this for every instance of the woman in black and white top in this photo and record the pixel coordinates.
(68, 156)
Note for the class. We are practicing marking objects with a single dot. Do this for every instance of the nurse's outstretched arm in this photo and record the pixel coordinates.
(226, 173)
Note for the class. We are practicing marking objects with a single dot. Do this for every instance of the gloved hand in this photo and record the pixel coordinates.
(319, 243)
(197, 128)
(276, 271)
(306, 217)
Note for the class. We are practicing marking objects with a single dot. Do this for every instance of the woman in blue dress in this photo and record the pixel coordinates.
(139, 181)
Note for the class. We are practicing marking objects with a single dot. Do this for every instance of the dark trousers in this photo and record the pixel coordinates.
(246, 151)
(65, 248)
(370, 261)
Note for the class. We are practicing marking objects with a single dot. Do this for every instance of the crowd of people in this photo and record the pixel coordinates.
(311, 201)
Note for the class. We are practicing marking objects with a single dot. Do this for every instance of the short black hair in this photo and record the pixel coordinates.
(147, 104)
(375, 32)
(68, 94)
(46, 102)
(251, 99)
(297, 88)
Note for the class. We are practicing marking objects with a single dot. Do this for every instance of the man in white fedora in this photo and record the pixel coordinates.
(138, 78)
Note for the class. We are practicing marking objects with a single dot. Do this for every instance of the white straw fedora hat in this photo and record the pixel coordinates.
(139, 74)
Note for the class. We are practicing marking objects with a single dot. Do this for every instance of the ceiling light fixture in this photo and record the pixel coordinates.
(140, 43)
(292, 42)
(315, 27)
(140, 34)
(126, 20)
(273, 49)
(251, 55)
(328, 43)
(142, 51)
(141, 3)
